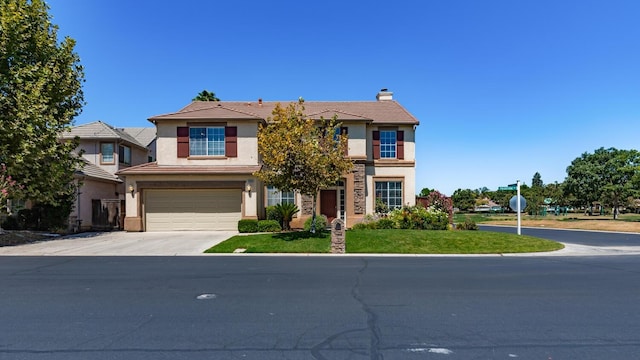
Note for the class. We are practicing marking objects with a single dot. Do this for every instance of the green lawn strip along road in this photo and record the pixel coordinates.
(391, 242)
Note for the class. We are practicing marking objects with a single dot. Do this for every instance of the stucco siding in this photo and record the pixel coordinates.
(247, 145)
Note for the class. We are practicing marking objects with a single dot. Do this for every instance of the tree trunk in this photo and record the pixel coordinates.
(313, 216)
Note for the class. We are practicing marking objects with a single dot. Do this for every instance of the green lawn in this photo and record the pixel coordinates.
(391, 242)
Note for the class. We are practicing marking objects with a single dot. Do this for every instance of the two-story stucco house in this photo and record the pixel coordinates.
(208, 151)
(106, 150)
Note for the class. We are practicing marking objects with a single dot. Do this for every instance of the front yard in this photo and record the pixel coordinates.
(15, 237)
(390, 241)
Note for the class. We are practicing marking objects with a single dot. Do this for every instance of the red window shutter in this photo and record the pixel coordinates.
(231, 141)
(183, 141)
(345, 131)
(400, 144)
(376, 144)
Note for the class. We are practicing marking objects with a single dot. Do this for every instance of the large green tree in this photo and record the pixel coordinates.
(301, 154)
(608, 175)
(464, 199)
(40, 94)
(425, 192)
(537, 180)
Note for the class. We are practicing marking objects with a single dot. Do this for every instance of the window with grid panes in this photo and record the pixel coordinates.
(206, 141)
(390, 192)
(387, 144)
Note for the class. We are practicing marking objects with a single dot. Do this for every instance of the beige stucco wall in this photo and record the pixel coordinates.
(167, 148)
(409, 141)
(357, 140)
(91, 153)
(405, 174)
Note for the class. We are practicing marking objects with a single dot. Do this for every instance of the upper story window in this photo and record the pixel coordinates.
(202, 141)
(206, 141)
(275, 196)
(387, 144)
(107, 153)
(124, 154)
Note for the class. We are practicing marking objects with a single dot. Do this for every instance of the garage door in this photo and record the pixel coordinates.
(206, 209)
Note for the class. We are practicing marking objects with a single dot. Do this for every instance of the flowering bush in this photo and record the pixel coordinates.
(7, 186)
(420, 218)
(440, 202)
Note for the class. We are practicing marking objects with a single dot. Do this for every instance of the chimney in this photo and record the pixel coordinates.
(384, 95)
(260, 101)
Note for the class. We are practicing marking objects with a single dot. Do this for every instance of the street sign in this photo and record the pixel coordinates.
(505, 188)
(513, 203)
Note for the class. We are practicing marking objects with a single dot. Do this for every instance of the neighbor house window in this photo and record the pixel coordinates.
(106, 153)
(390, 192)
(387, 144)
(275, 196)
(206, 141)
(124, 154)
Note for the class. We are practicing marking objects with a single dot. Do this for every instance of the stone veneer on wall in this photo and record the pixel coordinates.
(358, 189)
(307, 205)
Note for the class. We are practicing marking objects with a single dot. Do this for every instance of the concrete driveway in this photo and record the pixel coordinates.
(120, 243)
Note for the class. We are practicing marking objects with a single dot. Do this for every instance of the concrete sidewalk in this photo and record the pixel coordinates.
(120, 243)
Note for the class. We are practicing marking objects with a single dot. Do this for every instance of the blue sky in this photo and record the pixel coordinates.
(502, 89)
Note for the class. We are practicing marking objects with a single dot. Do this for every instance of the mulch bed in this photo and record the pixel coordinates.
(18, 237)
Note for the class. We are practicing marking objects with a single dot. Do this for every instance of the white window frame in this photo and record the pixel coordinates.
(388, 144)
(210, 141)
(390, 192)
(107, 157)
(275, 196)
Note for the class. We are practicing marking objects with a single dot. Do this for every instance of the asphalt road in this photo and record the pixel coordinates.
(590, 238)
(319, 308)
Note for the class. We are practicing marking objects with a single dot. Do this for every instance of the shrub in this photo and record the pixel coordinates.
(248, 226)
(360, 226)
(321, 224)
(11, 223)
(269, 226)
(467, 224)
(419, 218)
(286, 212)
(381, 207)
(385, 224)
(273, 214)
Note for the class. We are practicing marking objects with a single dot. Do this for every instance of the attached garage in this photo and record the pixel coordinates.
(192, 209)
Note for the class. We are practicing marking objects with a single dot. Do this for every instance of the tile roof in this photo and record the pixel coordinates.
(144, 135)
(154, 168)
(101, 130)
(93, 171)
(378, 112)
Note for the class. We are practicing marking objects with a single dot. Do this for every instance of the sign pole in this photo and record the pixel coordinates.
(518, 195)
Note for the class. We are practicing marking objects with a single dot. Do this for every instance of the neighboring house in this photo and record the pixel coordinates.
(106, 150)
(208, 151)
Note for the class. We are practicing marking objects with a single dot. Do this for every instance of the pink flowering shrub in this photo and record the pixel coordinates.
(7, 186)
(439, 201)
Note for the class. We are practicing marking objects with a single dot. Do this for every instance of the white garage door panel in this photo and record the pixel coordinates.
(170, 210)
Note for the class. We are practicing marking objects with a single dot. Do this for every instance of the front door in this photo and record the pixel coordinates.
(328, 204)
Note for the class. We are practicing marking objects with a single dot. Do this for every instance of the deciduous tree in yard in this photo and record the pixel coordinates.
(301, 154)
(464, 199)
(609, 175)
(40, 94)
